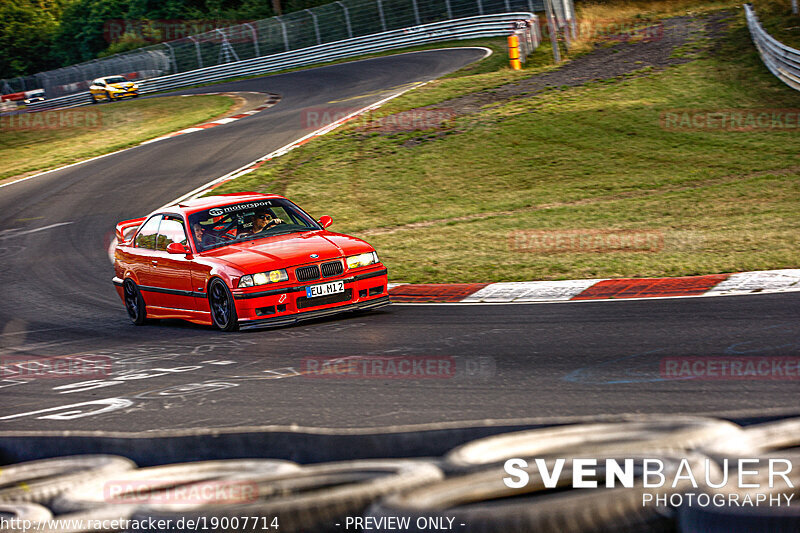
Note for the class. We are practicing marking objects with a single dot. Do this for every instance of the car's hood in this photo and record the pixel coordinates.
(284, 251)
(126, 85)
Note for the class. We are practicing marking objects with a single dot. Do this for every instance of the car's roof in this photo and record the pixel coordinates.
(207, 202)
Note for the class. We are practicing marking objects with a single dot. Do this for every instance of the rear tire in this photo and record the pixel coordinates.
(223, 308)
(134, 303)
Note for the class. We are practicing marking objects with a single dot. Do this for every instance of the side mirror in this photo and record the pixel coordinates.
(325, 221)
(177, 248)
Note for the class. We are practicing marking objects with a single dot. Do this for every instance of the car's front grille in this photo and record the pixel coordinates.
(307, 273)
(345, 296)
(334, 268)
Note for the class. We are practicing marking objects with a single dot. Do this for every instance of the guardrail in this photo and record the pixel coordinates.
(465, 28)
(783, 61)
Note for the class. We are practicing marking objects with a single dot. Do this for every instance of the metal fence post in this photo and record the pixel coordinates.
(346, 18)
(508, 6)
(226, 49)
(255, 38)
(380, 14)
(794, 7)
(551, 27)
(197, 49)
(574, 24)
(416, 11)
(480, 7)
(316, 25)
(569, 19)
(172, 57)
(283, 30)
(448, 9)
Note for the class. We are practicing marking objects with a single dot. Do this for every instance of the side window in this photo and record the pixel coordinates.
(171, 230)
(146, 238)
(280, 212)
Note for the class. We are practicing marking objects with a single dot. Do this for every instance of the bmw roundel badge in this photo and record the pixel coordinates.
(313, 256)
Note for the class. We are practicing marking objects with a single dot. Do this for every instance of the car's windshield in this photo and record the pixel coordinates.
(226, 224)
(116, 79)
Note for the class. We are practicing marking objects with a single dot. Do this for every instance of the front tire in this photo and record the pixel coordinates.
(108, 96)
(223, 308)
(134, 303)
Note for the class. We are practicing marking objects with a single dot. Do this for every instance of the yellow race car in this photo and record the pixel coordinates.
(112, 88)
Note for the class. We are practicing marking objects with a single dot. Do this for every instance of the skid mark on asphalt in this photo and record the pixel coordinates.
(636, 368)
(736, 349)
(642, 368)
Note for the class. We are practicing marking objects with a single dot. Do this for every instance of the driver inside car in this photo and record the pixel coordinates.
(262, 220)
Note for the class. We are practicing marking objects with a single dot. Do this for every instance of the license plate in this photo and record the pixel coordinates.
(324, 289)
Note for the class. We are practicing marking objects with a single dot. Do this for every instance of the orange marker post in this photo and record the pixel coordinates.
(513, 52)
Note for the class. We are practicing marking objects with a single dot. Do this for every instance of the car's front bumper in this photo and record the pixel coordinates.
(287, 305)
(285, 320)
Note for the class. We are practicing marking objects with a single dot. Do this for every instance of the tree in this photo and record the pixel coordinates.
(25, 36)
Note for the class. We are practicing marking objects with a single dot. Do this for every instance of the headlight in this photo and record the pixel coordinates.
(263, 278)
(362, 260)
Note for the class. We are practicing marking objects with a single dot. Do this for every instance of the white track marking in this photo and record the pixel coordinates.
(530, 291)
(8, 234)
(764, 281)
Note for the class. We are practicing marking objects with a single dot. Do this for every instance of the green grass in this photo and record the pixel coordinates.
(27, 146)
(441, 205)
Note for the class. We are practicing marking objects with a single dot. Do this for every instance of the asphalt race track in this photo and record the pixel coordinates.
(492, 361)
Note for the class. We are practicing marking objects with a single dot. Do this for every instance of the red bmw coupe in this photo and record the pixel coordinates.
(242, 260)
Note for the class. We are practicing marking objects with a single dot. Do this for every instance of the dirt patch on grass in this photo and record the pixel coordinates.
(604, 62)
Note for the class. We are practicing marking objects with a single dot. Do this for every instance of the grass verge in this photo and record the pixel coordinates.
(39, 141)
(444, 205)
